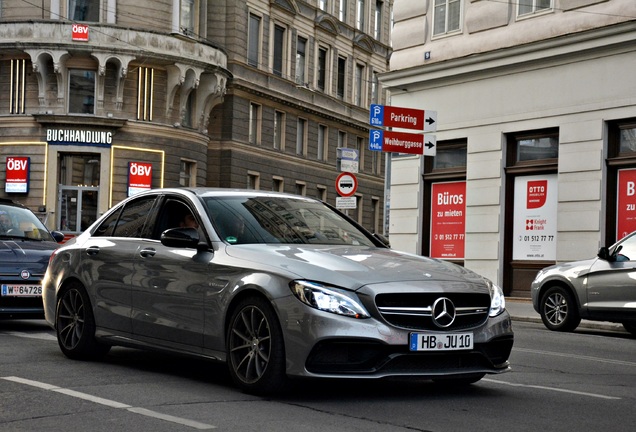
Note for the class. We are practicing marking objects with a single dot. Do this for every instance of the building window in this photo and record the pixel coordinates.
(342, 139)
(278, 61)
(187, 21)
(188, 173)
(301, 137)
(189, 112)
(342, 73)
(533, 148)
(254, 40)
(375, 89)
(321, 193)
(279, 130)
(301, 63)
(323, 146)
(376, 162)
(446, 16)
(253, 180)
(323, 5)
(322, 69)
(301, 188)
(255, 124)
(360, 12)
(358, 97)
(278, 184)
(375, 215)
(145, 92)
(360, 147)
(533, 6)
(17, 87)
(377, 29)
(342, 10)
(81, 94)
(83, 10)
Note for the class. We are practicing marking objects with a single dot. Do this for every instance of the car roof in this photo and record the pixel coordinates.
(9, 202)
(213, 192)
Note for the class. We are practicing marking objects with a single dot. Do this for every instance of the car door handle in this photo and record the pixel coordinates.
(92, 250)
(149, 252)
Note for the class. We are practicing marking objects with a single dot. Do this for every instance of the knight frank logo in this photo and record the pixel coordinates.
(535, 224)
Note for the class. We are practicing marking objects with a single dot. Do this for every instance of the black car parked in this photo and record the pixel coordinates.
(25, 248)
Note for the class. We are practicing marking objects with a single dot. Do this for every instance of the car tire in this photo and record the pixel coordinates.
(558, 310)
(255, 348)
(459, 381)
(630, 327)
(75, 325)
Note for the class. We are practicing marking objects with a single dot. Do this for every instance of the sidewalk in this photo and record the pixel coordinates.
(520, 309)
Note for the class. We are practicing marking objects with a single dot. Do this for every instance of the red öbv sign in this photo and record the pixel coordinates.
(80, 32)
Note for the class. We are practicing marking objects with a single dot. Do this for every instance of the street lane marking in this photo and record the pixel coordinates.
(594, 359)
(44, 336)
(111, 403)
(552, 389)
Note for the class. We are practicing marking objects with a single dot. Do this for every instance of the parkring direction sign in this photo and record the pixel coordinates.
(406, 118)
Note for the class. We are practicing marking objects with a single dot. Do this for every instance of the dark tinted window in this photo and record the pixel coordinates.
(127, 223)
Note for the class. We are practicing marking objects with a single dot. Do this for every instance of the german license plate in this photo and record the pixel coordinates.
(21, 290)
(440, 341)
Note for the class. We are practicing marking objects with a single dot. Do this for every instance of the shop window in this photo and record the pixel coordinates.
(445, 201)
(17, 86)
(81, 91)
(446, 16)
(145, 93)
(531, 202)
(254, 40)
(621, 180)
(83, 10)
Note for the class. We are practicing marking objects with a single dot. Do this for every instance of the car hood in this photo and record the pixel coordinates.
(353, 267)
(569, 270)
(25, 251)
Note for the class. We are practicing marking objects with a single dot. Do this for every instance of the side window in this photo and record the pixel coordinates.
(176, 214)
(105, 229)
(627, 250)
(132, 220)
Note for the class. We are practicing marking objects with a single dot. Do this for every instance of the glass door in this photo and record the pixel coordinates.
(78, 191)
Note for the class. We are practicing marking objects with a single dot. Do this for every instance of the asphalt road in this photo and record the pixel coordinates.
(584, 381)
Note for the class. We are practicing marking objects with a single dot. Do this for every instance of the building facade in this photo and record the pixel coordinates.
(109, 97)
(536, 139)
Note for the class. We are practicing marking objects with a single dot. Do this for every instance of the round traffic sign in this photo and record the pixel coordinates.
(346, 184)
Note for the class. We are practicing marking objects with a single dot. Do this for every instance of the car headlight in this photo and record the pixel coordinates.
(497, 300)
(327, 299)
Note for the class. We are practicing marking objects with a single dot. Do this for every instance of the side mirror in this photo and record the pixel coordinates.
(603, 253)
(57, 236)
(180, 238)
(385, 241)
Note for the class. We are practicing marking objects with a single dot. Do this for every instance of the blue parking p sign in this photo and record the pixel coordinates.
(376, 115)
(375, 140)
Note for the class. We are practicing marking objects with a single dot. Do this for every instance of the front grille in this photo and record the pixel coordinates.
(348, 357)
(415, 311)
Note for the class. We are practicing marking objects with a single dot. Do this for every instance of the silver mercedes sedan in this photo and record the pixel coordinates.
(277, 286)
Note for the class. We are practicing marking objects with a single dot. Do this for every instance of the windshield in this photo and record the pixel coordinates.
(18, 222)
(240, 220)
